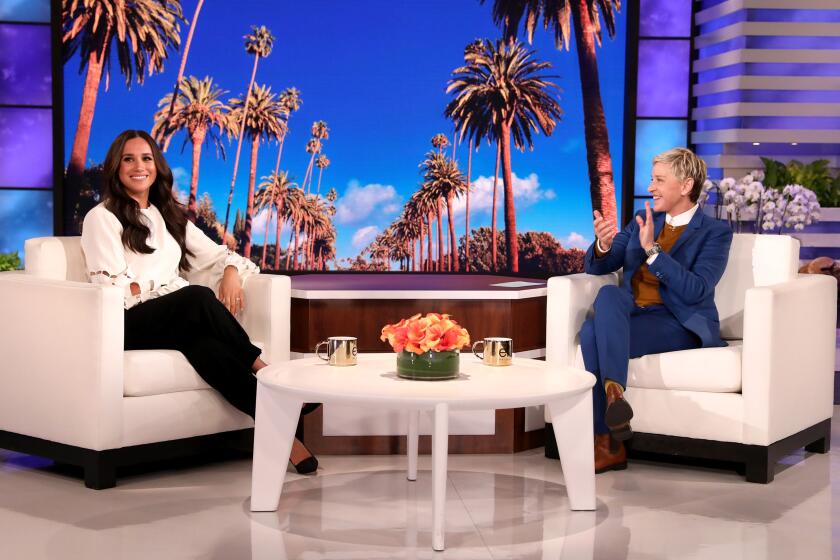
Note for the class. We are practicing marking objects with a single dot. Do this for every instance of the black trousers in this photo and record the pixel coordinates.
(192, 321)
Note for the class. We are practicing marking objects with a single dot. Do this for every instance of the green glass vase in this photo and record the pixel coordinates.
(428, 366)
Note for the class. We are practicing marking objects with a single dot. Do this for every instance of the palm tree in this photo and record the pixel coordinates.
(265, 120)
(140, 33)
(406, 230)
(282, 186)
(318, 227)
(199, 110)
(259, 43)
(325, 246)
(426, 205)
(313, 146)
(321, 163)
(500, 91)
(310, 217)
(290, 101)
(431, 201)
(470, 50)
(414, 213)
(294, 212)
(320, 132)
(183, 65)
(586, 16)
(467, 211)
(494, 226)
(478, 125)
(442, 176)
(264, 202)
(440, 141)
(276, 189)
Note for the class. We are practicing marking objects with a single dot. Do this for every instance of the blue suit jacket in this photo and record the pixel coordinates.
(687, 274)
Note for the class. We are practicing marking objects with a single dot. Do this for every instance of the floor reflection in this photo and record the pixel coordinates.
(498, 506)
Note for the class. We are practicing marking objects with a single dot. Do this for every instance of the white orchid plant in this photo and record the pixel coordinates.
(747, 200)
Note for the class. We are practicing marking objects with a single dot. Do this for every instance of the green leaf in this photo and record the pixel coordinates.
(9, 261)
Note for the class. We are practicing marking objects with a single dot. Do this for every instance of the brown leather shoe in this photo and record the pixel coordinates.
(605, 458)
(618, 413)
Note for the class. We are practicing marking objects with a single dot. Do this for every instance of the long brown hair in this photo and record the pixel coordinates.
(127, 210)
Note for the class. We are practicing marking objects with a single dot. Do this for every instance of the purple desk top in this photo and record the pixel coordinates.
(410, 282)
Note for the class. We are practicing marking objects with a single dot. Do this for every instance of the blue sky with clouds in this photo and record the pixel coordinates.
(376, 72)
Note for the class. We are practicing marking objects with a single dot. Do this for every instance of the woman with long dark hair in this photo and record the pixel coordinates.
(139, 238)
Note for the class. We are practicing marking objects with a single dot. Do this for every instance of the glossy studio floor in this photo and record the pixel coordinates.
(511, 506)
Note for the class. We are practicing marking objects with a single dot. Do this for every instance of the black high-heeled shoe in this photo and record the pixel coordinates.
(309, 408)
(308, 465)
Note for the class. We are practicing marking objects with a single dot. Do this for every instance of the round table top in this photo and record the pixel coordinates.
(374, 380)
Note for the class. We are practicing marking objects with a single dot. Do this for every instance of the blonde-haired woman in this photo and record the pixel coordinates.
(672, 256)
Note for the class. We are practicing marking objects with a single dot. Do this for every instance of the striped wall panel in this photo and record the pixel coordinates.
(767, 82)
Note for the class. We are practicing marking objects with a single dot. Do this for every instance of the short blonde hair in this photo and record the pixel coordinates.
(685, 165)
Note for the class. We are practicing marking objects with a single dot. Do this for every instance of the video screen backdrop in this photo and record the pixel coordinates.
(352, 157)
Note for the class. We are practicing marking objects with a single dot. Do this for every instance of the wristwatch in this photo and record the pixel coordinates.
(654, 250)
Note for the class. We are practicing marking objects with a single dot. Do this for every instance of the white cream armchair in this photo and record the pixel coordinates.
(766, 394)
(68, 390)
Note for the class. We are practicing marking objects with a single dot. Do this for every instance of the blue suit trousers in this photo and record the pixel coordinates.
(620, 331)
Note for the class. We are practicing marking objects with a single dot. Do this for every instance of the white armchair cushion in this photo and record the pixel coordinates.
(57, 258)
(754, 260)
(710, 370)
(158, 372)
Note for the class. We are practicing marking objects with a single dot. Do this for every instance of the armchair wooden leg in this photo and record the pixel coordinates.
(823, 444)
(758, 465)
(100, 471)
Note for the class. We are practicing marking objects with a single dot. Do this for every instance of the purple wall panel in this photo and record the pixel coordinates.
(26, 147)
(25, 65)
(665, 18)
(663, 78)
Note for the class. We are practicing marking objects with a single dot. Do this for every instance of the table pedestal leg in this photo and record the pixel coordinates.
(440, 451)
(412, 442)
(276, 419)
(572, 420)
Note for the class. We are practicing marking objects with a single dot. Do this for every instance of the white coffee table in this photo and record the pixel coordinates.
(283, 387)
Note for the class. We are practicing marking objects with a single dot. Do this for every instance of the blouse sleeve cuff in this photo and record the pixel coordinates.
(244, 266)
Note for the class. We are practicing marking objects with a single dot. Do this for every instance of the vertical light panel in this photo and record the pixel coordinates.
(663, 78)
(665, 18)
(25, 73)
(25, 10)
(24, 214)
(26, 135)
(26, 148)
(663, 81)
(654, 137)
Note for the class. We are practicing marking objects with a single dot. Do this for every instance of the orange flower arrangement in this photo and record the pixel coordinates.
(435, 331)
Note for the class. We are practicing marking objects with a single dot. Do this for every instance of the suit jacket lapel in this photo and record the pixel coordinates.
(658, 224)
(693, 226)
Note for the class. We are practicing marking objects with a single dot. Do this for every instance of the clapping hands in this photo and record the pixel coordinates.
(645, 228)
(605, 231)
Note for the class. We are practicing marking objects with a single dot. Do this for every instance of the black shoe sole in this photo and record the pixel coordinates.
(618, 413)
(617, 417)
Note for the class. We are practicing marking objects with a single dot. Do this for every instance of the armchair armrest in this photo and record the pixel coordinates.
(267, 314)
(61, 344)
(788, 357)
(569, 301)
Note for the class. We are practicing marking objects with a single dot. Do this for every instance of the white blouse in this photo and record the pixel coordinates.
(157, 273)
